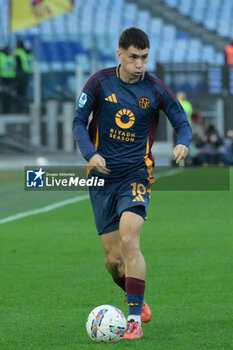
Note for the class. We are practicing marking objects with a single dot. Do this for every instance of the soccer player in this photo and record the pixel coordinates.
(125, 102)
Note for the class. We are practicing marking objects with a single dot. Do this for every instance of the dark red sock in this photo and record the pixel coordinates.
(120, 281)
(135, 289)
(134, 285)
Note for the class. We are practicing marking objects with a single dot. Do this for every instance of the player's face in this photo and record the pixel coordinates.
(133, 63)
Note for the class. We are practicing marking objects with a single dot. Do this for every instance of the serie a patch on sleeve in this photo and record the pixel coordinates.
(83, 99)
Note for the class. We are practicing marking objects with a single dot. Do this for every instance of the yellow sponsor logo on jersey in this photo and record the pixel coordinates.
(111, 98)
(144, 102)
(122, 135)
(127, 116)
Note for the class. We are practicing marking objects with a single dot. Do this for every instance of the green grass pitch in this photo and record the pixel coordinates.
(52, 271)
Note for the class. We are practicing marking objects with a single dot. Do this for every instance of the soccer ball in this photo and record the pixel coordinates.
(106, 323)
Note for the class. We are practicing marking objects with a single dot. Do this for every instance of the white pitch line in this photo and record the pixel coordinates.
(43, 209)
(168, 173)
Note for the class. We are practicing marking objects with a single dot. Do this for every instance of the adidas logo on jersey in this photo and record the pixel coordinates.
(111, 98)
(139, 198)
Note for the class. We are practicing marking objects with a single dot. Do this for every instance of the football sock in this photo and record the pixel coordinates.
(134, 318)
(135, 289)
(120, 281)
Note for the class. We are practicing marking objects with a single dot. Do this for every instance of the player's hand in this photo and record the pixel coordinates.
(98, 164)
(180, 152)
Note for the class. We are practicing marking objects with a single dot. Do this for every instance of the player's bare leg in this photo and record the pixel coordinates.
(135, 272)
(114, 258)
(130, 226)
(115, 264)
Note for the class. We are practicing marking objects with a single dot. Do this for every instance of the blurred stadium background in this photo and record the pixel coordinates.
(48, 284)
(188, 38)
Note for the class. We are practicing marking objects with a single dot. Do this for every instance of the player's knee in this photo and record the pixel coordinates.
(114, 261)
(126, 240)
(130, 244)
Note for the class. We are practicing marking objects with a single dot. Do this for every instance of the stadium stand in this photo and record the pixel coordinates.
(187, 52)
(215, 15)
(65, 39)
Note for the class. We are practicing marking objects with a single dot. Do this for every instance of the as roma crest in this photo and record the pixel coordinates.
(144, 102)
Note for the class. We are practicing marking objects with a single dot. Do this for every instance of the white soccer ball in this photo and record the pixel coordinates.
(106, 323)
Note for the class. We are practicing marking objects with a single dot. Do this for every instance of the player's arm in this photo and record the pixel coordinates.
(82, 112)
(80, 128)
(179, 122)
(96, 162)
